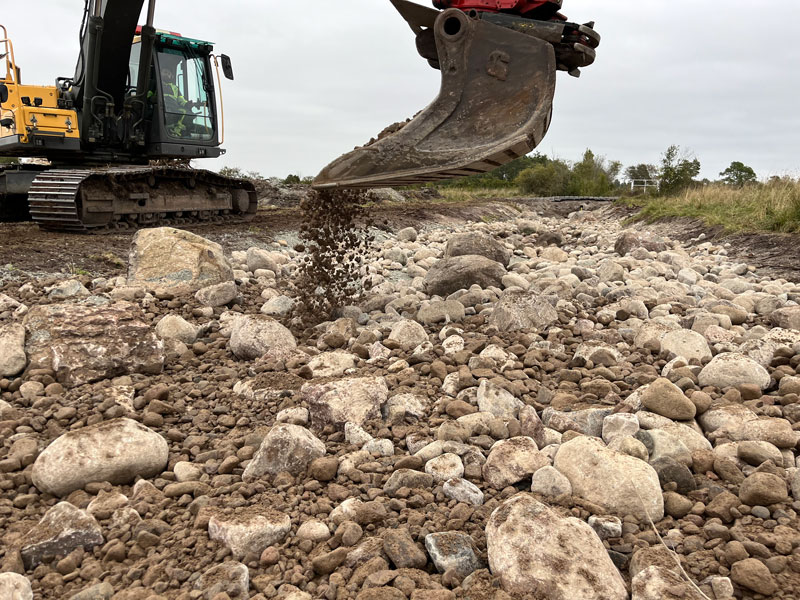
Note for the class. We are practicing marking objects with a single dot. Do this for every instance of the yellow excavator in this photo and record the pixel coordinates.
(141, 96)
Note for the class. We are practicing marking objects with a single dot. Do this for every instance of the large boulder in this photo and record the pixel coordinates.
(476, 243)
(84, 343)
(15, 587)
(536, 553)
(786, 318)
(460, 272)
(12, 350)
(116, 452)
(285, 448)
(523, 311)
(62, 529)
(353, 400)
(731, 369)
(686, 343)
(176, 327)
(621, 484)
(254, 336)
(171, 260)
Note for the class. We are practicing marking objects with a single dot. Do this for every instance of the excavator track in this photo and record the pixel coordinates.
(94, 200)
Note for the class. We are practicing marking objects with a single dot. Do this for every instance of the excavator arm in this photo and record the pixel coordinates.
(498, 60)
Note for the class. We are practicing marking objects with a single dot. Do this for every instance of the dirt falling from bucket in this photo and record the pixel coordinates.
(335, 239)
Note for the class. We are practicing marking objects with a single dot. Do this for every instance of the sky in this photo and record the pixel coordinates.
(316, 78)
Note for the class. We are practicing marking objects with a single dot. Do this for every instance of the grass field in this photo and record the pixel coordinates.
(773, 206)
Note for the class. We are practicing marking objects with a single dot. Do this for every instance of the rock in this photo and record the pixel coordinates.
(407, 478)
(402, 406)
(534, 552)
(256, 336)
(116, 451)
(250, 530)
(754, 575)
(609, 270)
(170, 260)
(686, 343)
(619, 425)
(629, 240)
(757, 452)
(551, 484)
(67, 289)
(462, 490)
(763, 489)
(84, 343)
(285, 448)
(677, 506)
(232, 578)
(731, 370)
(15, 587)
(776, 431)
(278, 307)
(662, 444)
(523, 311)
(475, 243)
(407, 234)
(511, 461)
(176, 328)
(315, 531)
(218, 294)
(402, 550)
(332, 364)
(657, 583)
(100, 591)
(259, 259)
(497, 401)
(659, 556)
(353, 400)
(786, 318)
(670, 470)
(62, 529)
(452, 551)
(619, 483)
(444, 311)
(460, 272)
(599, 353)
(666, 399)
(12, 350)
(445, 467)
(606, 527)
(409, 334)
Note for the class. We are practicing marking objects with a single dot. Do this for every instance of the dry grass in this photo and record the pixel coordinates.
(455, 194)
(774, 206)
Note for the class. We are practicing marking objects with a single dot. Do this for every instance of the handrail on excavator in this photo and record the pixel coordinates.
(12, 75)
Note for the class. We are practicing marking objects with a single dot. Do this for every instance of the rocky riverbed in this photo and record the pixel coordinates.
(529, 407)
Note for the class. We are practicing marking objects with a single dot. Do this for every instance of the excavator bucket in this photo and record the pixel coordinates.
(494, 104)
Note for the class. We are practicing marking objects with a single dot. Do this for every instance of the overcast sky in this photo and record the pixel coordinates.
(316, 78)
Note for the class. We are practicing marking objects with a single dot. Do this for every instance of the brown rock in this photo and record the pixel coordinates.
(754, 575)
(402, 550)
(763, 489)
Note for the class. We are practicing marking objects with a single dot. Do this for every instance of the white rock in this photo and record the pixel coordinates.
(254, 336)
(511, 461)
(280, 306)
(186, 471)
(525, 539)
(355, 434)
(462, 490)
(250, 530)
(619, 483)
(63, 528)
(332, 364)
(12, 350)
(497, 401)
(548, 482)
(313, 530)
(177, 328)
(218, 294)
(620, 424)
(15, 587)
(354, 400)
(658, 583)
(115, 451)
(409, 334)
(731, 369)
(285, 448)
(686, 343)
(445, 467)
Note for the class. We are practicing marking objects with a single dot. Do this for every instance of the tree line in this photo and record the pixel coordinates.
(594, 175)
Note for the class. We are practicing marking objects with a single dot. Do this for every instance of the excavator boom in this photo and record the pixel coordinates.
(498, 71)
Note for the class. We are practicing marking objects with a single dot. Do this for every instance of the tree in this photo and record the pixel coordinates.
(738, 174)
(550, 179)
(678, 170)
(641, 171)
(292, 180)
(592, 177)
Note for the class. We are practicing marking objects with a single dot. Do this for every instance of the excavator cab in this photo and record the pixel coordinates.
(498, 61)
(185, 121)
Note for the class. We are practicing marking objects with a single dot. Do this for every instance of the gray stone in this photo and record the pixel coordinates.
(12, 350)
(511, 461)
(354, 400)
(256, 336)
(452, 551)
(62, 529)
(218, 294)
(99, 591)
(462, 490)
(523, 311)
(15, 587)
(498, 401)
(549, 483)
(176, 328)
(732, 370)
(475, 243)
(460, 272)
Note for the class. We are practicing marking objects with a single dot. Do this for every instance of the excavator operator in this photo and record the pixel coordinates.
(176, 106)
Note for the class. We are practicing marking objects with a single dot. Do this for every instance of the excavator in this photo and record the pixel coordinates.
(107, 138)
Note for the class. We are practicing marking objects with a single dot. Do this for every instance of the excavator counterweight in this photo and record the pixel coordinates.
(498, 72)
